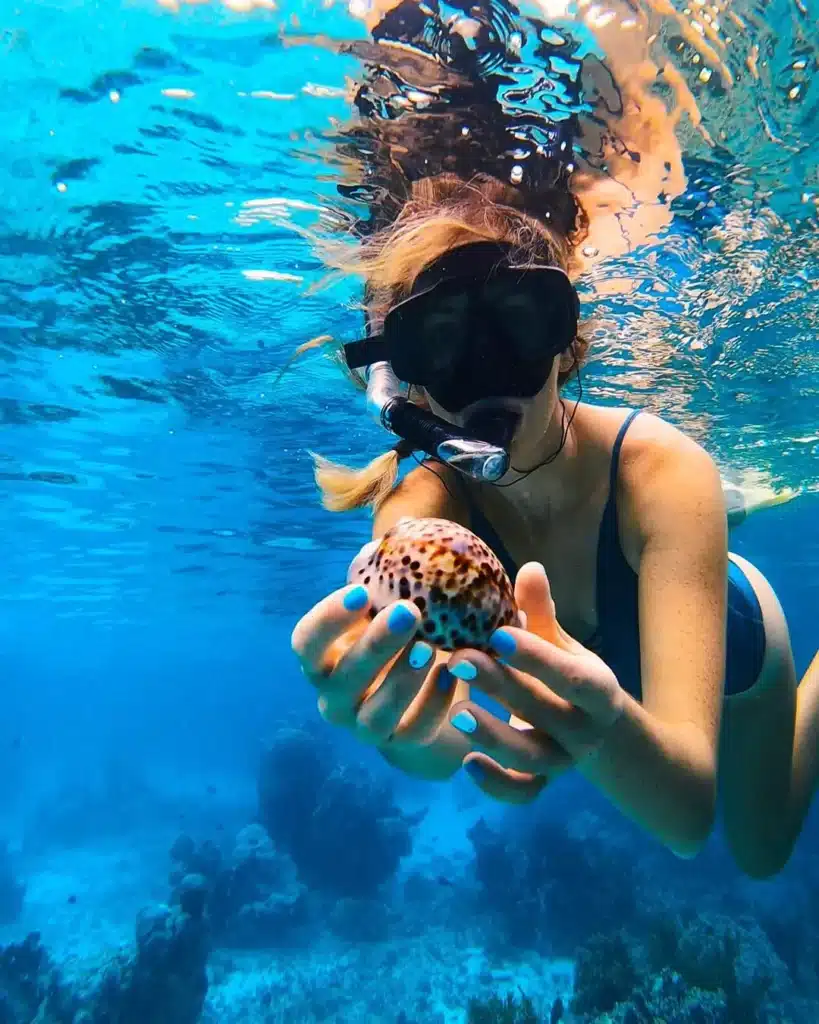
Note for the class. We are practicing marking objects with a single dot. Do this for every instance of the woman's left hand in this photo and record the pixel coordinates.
(563, 699)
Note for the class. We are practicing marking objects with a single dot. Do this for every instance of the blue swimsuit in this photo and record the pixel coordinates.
(617, 640)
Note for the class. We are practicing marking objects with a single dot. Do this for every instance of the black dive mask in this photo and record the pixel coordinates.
(474, 328)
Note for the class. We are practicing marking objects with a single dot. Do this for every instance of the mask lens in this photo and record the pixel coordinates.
(428, 334)
(536, 312)
(530, 314)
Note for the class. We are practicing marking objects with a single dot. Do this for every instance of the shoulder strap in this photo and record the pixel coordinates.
(615, 451)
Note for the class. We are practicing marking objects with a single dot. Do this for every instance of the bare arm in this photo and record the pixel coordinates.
(659, 763)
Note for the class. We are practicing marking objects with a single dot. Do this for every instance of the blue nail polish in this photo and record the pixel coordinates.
(464, 670)
(465, 721)
(445, 680)
(355, 599)
(475, 769)
(420, 655)
(400, 620)
(503, 642)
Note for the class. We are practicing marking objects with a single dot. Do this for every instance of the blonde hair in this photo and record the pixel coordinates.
(441, 213)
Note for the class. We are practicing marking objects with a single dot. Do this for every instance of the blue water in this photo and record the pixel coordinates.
(162, 534)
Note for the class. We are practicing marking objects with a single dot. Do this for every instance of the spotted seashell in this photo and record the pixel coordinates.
(455, 580)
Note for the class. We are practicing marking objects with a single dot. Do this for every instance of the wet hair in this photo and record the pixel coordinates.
(440, 213)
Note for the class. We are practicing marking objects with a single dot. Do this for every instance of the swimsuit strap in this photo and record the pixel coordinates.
(617, 638)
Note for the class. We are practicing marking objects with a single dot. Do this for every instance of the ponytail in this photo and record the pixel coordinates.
(343, 489)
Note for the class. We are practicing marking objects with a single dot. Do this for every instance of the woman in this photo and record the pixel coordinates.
(650, 655)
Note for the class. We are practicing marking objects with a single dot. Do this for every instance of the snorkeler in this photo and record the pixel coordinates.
(653, 661)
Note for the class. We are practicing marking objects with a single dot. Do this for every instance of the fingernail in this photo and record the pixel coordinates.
(446, 680)
(464, 670)
(401, 618)
(465, 721)
(475, 769)
(355, 599)
(503, 642)
(420, 654)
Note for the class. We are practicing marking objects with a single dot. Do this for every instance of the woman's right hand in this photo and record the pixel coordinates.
(373, 677)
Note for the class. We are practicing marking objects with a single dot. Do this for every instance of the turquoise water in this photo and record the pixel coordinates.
(162, 530)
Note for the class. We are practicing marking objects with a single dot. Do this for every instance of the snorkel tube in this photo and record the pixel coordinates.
(460, 449)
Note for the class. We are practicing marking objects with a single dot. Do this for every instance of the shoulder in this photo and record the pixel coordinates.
(668, 487)
(427, 490)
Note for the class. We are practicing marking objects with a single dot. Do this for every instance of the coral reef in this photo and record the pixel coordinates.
(253, 897)
(697, 968)
(163, 979)
(12, 890)
(605, 974)
(341, 827)
(548, 887)
(31, 987)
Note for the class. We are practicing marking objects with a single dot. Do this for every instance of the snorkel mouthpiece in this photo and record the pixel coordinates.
(495, 424)
(464, 450)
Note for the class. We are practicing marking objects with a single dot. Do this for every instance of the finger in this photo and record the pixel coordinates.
(521, 694)
(522, 750)
(530, 700)
(582, 679)
(411, 697)
(324, 624)
(430, 711)
(501, 783)
(369, 657)
(533, 596)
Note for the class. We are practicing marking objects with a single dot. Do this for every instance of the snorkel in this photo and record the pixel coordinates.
(459, 448)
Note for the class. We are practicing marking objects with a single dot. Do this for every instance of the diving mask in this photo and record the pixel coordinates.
(474, 328)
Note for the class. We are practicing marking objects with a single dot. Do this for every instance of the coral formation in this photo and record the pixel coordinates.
(253, 897)
(163, 979)
(341, 826)
(31, 987)
(549, 887)
(698, 968)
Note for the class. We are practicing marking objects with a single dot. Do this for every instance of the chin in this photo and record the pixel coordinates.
(528, 443)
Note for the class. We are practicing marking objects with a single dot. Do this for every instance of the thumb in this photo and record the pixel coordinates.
(534, 598)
